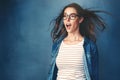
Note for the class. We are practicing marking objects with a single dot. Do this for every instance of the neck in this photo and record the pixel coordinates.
(74, 37)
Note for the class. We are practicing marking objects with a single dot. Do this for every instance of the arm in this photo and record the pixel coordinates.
(95, 62)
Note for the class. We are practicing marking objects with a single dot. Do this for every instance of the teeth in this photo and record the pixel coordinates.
(68, 24)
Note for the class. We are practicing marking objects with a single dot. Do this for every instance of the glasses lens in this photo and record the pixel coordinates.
(71, 16)
(64, 17)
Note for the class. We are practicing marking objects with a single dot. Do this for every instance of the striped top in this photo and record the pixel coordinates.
(70, 62)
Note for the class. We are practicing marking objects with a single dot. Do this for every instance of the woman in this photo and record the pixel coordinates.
(74, 52)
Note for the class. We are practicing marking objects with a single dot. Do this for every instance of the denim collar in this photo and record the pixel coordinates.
(57, 43)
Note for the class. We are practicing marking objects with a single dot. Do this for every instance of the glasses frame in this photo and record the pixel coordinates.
(72, 16)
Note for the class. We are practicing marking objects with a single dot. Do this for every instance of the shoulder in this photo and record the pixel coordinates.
(56, 43)
(90, 43)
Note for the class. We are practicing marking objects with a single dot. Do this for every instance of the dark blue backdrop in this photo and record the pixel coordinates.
(25, 42)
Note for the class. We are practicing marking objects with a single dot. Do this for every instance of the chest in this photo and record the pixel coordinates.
(70, 55)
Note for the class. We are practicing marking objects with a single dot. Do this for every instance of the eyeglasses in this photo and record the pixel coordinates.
(71, 16)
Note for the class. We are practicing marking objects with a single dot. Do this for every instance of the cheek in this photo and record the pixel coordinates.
(75, 23)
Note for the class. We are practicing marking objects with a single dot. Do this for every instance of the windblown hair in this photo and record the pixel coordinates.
(91, 22)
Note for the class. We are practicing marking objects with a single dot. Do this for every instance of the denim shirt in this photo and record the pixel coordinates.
(90, 60)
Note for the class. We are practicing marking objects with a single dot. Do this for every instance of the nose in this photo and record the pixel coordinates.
(68, 18)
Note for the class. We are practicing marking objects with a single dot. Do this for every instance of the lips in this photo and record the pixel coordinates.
(68, 25)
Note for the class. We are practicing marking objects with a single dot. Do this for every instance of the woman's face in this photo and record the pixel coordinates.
(71, 20)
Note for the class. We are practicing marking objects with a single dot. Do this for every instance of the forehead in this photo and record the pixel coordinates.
(70, 10)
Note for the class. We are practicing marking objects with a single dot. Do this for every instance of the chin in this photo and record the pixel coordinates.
(68, 31)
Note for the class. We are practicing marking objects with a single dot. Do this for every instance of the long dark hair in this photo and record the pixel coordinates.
(87, 28)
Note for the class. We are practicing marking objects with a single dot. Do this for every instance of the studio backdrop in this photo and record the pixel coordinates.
(25, 42)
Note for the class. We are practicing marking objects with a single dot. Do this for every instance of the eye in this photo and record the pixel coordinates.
(73, 16)
(64, 16)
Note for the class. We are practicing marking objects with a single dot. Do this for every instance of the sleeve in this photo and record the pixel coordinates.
(95, 62)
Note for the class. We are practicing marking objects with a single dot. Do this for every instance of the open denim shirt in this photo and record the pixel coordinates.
(90, 60)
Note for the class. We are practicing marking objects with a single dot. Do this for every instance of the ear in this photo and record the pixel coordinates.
(81, 19)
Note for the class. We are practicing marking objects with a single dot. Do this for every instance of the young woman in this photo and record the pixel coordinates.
(74, 52)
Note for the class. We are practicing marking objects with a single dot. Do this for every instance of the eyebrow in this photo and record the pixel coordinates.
(70, 13)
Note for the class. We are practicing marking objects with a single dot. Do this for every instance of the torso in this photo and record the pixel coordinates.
(70, 61)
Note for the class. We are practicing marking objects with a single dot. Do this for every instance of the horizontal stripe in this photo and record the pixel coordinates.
(70, 62)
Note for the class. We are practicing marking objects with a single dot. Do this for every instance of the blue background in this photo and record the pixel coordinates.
(25, 42)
